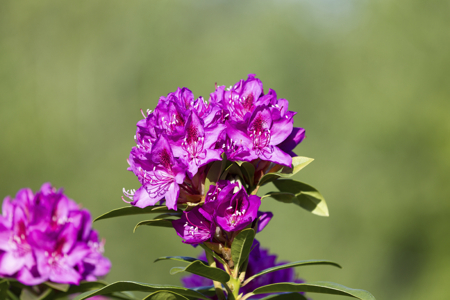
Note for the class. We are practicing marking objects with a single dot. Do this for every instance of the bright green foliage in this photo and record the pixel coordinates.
(180, 258)
(121, 286)
(241, 247)
(321, 287)
(302, 194)
(291, 265)
(286, 296)
(132, 210)
(298, 163)
(164, 295)
(154, 222)
(199, 268)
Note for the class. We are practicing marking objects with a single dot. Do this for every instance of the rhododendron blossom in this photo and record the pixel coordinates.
(48, 237)
(178, 141)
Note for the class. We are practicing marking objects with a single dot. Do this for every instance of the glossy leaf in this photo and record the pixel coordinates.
(11, 296)
(26, 294)
(121, 286)
(165, 295)
(292, 265)
(176, 215)
(302, 194)
(213, 253)
(232, 169)
(154, 222)
(58, 286)
(181, 258)
(321, 287)
(286, 296)
(241, 247)
(298, 163)
(206, 290)
(213, 175)
(199, 268)
(4, 286)
(248, 170)
(86, 286)
(132, 210)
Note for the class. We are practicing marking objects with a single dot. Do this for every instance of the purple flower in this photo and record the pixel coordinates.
(195, 148)
(242, 98)
(58, 253)
(257, 124)
(193, 227)
(15, 244)
(235, 211)
(159, 176)
(229, 206)
(297, 135)
(46, 236)
(260, 135)
(259, 260)
(178, 141)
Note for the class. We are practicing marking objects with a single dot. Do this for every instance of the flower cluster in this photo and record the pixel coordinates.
(259, 260)
(177, 142)
(48, 237)
(227, 209)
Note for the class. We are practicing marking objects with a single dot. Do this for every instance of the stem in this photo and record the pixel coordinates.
(217, 285)
(235, 284)
(255, 190)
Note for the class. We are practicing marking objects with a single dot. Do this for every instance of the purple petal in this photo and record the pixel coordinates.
(280, 157)
(64, 274)
(162, 153)
(264, 219)
(30, 276)
(238, 133)
(10, 263)
(172, 196)
(297, 135)
(142, 199)
(280, 130)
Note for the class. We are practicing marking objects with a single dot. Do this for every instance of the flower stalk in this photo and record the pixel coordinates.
(217, 285)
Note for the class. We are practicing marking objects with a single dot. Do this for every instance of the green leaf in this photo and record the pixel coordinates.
(215, 170)
(232, 169)
(26, 294)
(169, 215)
(206, 290)
(180, 258)
(220, 259)
(241, 247)
(133, 210)
(86, 286)
(4, 286)
(154, 222)
(322, 287)
(302, 194)
(292, 265)
(11, 296)
(165, 295)
(58, 286)
(248, 170)
(298, 163)
(286, 296)
(199, 268)
(121, 286)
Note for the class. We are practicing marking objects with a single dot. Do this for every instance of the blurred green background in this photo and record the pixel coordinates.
(369, 79)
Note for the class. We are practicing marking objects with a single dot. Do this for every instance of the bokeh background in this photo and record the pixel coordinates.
(370, 81)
